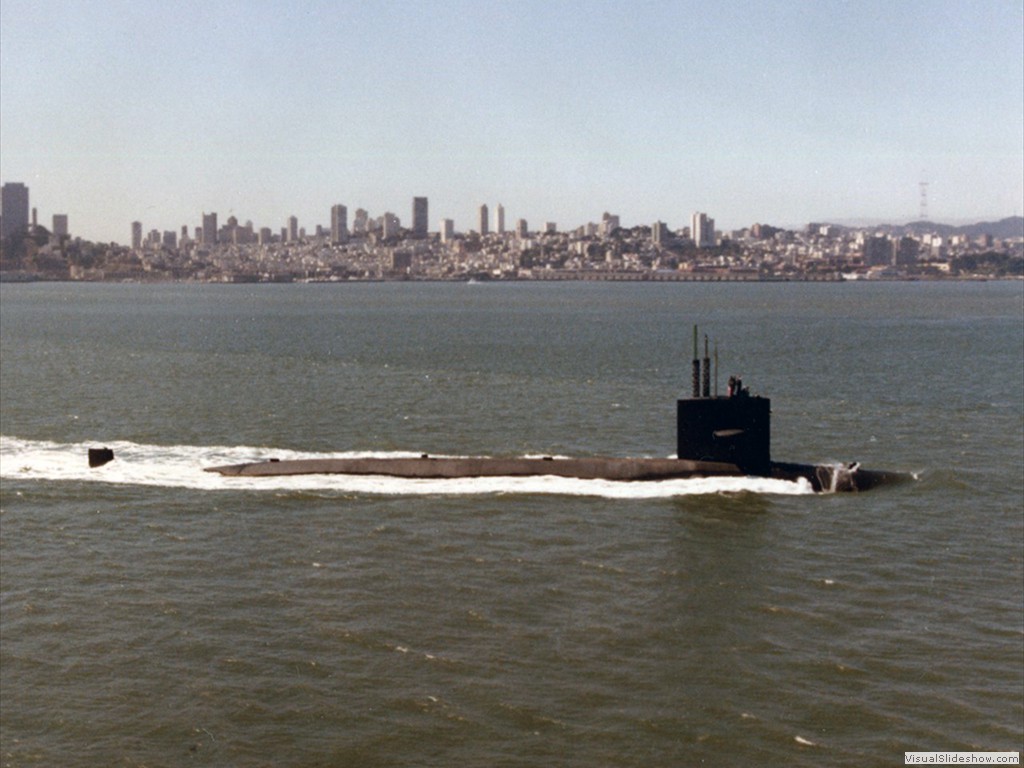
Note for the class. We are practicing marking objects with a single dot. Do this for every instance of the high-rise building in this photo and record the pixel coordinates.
(419, 217)
(136, 235)
(60, 224)
(521, 230)
(361, 223)
(500, 219)
(906, 250)
(702, 230)
(293, 229)
(659, 233)
(484, 224)
(877, 251)
(339, 223)
(447, 230)
(390, 225)
(14, 204)
(209, 229)
(609, 223)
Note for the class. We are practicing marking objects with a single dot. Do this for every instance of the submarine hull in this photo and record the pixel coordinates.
(821, 477)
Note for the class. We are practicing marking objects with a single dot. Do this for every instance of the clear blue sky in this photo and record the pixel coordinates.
(779, 112)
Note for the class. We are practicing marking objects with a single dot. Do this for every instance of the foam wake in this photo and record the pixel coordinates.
(181, 466)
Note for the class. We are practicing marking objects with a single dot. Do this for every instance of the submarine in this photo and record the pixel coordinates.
(716, 436)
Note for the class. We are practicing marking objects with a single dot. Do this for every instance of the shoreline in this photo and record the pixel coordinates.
(621, 277)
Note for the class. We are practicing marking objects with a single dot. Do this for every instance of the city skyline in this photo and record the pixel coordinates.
(205, 230)
(781, 113)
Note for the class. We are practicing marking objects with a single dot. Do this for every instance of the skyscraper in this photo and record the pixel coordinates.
(293, 229)
(136, 235)
(390, 224)
(209, 229)
(60, 224)
(500, 216)
(484, 224)
(609, 223)
(447, 230)
(419, 217)
(339, 224)
(702, 230)
(14, 202)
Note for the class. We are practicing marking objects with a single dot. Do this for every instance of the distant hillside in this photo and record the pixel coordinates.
(1004, 229)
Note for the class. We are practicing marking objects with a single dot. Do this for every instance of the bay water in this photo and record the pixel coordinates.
(155, 614)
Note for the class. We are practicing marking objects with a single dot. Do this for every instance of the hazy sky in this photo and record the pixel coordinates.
(779, 112)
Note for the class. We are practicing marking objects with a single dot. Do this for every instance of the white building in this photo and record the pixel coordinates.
(702, 230)
(447, 230)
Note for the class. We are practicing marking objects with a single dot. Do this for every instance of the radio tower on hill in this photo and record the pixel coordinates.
(923, 185)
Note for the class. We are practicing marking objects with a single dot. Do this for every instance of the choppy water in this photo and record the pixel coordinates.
(153, 614)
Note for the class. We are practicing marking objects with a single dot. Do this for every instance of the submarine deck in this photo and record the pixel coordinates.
(443, 467)
(821, 477)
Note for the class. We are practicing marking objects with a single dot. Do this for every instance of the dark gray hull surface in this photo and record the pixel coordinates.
(821, 477)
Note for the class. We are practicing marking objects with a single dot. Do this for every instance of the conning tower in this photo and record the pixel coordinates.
(734, 428)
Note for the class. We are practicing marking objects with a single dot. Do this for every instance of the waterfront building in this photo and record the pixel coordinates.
(136, 235)
(500, 219)
(447, 230)
(60, 224)
(339, 224)
(483, 220)
(877, 251)
(209, 229)
(14, 204)
(419, 217)
(906, 250)
(401, 261)
(702, 230)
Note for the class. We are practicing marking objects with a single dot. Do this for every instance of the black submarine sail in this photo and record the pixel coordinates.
(734, 429)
